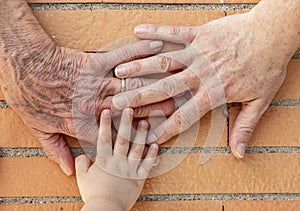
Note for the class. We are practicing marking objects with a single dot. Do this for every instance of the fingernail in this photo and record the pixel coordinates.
(143, 124)
(156, 44)
(140, 30)
(155, 146)
(65, 170)
(120, 101)
(106, 112)
(151, 138)
(121, 71)
(240, 150)
(156, 162)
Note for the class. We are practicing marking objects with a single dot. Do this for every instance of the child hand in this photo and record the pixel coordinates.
(115, 180)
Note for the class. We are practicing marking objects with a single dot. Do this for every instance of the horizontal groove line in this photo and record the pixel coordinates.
(38, 152)
(294, 103)
(296, 56)
(160, 197)
(4, 104)
(160, 6)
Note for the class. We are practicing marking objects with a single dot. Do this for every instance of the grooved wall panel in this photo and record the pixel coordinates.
(279, 126)
(147, 206)
(290, 88)
(257, 173)
(92, 30)
(22, 137)
(41, 207)
(178, 205)
(262, 205)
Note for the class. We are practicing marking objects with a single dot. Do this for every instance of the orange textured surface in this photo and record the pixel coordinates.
(161, 205)
(92, 30)
(262, 205)
(269, 131)
(290, 88)
(257, 173)
(22, 137)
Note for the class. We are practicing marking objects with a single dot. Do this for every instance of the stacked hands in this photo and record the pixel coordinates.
(58, 91)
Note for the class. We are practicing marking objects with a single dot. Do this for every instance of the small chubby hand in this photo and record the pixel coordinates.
(115, 180)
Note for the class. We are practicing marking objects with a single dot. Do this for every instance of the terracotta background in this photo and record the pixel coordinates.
(267, 179)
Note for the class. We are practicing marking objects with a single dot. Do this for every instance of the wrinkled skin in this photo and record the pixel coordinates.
(227, 60)
(116, 178)
(51, 87)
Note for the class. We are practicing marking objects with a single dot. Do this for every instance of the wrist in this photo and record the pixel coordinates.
(99, 203)
(275, 25)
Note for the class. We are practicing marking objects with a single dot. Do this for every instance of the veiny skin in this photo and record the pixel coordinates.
(239, 58)
(39, 78)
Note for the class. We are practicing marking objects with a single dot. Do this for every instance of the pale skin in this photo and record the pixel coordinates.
(116, 178)
(38, 80)
(240, 58)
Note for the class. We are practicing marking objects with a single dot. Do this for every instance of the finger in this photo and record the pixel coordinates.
(124, 133)
(104, 145)
(148, 162)
(181, 119)
(158, 91)
(113, 86)
(137, 148)
(245, 124)
(156, 64)
(132, 84)
(130, 52)
(57, 149)
(82, 165)
(164, 108)
(177, 34)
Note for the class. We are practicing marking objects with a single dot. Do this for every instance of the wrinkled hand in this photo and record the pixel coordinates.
(60, 91)
(227, 60)
(115, 180)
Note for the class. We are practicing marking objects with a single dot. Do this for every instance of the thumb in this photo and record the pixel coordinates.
(245, 124)
(82, 165)
(175, 34)
(57, 149)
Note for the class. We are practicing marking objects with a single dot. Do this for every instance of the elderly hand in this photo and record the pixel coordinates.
(57, 90)
(240, 58)
(115, 180)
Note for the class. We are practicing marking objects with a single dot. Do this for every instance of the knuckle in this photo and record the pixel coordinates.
(181, 120)
(137, 100)
(137, 149)
(174, 31)
(122, 141)
(246, 131)
(165, 62)
(135, 83)
(168, 87)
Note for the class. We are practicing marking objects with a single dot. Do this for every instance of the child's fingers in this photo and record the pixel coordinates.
(123, 137)
(82, 165)
(137, 148)
(104, 145)
(148, 162)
